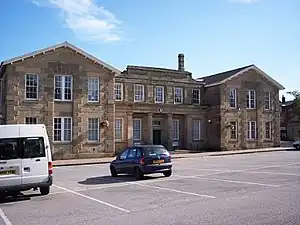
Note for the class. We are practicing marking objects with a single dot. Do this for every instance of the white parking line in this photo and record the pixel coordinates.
(272, 173)
(4, 218)
(93, 199)
(174, 190)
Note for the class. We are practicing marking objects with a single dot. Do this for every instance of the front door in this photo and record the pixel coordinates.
(157, 137)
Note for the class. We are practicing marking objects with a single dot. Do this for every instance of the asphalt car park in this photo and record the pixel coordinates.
(262, 188)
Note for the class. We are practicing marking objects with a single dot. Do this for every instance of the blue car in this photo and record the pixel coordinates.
(141, 160)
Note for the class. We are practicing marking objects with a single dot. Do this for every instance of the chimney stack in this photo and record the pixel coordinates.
(283, 99)
(181, 62)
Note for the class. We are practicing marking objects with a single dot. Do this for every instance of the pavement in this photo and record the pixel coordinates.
(175, 155)
(248, 189)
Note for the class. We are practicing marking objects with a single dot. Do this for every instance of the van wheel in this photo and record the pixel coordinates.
(167, 173)
(138, 173)
(45, 190)
(113, 171)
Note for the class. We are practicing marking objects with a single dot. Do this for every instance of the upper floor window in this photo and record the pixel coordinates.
(251, 130)
(159, 94)
(118, 91)
(196, 96)
(139, 93)
(175, 130)
(232, 98)
(178, 95)
(251, 99)
(93, 89)
(63, 87)
(268, 100)
(196, 132)
(31, 86)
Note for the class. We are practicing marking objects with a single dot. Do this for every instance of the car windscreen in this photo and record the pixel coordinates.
(14, 148)
(9, 149)
(155, 151)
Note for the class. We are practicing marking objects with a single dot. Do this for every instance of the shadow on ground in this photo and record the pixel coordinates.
(16, 197)
(113, 180)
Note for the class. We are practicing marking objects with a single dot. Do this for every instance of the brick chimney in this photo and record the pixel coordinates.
(181, 62)
(283, 99)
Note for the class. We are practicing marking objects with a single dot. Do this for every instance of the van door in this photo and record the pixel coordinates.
(10, 162)
(34, 161)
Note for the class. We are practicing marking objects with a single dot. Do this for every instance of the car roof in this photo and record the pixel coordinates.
(147, 146)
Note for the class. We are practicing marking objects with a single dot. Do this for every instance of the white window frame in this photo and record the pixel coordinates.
(270, 130)
(27, 75)
(139, 93)
(93, 81)
(196, 134)
(92, 130)
(118, 91)
(233, 126)
(159, 94)
(250, 129)
(140, 129)
(30, 119)
(178, 100)
(196, 101)
(251, 99)
(232, 97)
(175, 130)
(268, 100)
(62, 138)
(120, 128)
(63, 88)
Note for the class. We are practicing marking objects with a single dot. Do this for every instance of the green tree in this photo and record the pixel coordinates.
(296, 95)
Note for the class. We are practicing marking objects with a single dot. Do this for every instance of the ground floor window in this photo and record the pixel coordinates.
(93, 129)
(62, 128)
(118, 129)
(196, 131)
(251, 130)
(30, 120)
(268, 130)
(137, 129)
(233, 130)
(175, 130)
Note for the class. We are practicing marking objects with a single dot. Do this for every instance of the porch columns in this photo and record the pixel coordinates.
(169, 128)
(150, 128)
(129, 129)
(188, 131)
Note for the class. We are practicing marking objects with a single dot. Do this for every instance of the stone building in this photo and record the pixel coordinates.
(92, 109)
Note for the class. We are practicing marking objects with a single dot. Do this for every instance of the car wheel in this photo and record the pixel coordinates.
(297, 146)
(138, 173)
(45, 190)
(113, 171)
(167, 173)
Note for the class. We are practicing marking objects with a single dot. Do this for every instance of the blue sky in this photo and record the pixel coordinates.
(214, 35)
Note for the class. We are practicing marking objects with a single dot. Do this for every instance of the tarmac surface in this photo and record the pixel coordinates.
(261, 188)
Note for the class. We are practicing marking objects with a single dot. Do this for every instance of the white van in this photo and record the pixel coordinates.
(25, 158)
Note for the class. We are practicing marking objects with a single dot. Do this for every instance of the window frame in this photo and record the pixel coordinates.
(62, 135)
(249, 100)
(234, 90)
(176, 98)
(270, 130)
(98, 89)
(121, 91)
(63, 88)
(268, 100)
(233, 127)
(92, 130)
(37, 86)
(122, 129)
(199, 96)
(31, 117)
(162, 94)
(198, 138)
(142, 92)
(249, 130)
(177, 130)
(140, 130)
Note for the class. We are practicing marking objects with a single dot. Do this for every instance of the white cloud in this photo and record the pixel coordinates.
(244, 1)
(88, 20)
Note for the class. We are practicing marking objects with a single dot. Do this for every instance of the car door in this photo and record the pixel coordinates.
(34, 160)
(10, 162)
(120, 162)
(131, 160)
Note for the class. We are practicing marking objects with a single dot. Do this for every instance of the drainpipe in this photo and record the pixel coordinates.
(1, 92)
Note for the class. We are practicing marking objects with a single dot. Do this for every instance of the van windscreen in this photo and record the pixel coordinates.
(14, 148)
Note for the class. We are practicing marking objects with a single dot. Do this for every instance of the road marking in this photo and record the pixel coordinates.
(177, 191)
(236, 181)
(272, 173)
(4, 217)
(93, 199)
